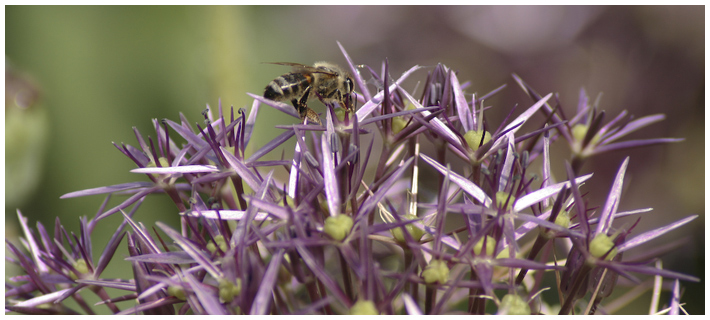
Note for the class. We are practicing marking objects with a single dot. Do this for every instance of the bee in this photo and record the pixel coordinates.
(323, 80)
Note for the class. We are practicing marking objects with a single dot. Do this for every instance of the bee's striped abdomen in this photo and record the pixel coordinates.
(288, 86)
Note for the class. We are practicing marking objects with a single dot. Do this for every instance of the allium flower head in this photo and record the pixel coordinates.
(353, 221)
(587, 135)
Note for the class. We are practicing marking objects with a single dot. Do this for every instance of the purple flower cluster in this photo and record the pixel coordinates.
(405, 206)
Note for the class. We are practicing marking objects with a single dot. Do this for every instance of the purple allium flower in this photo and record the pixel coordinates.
(599, 251)
(354, 222)
(585, 133)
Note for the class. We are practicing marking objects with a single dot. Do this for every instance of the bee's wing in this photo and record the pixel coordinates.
(298, 67)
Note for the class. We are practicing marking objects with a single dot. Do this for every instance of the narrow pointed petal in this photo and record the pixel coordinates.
(547, 224)
(580, 206)
(444, 238)
(177, 170)
(149, 305)
(546, 171)
(618, 215)
(251, 214)
(474, 122)
(180, 157)
(110, 250)
(461, 106)
(527, 226)
(173, 257)
(446, 297)
(109, 189)
(544, 193)
(320, 273)
(331, 185)
(34, 248)
(527, 114)
(655, 233)
(634, 144)
(396, 114)
(224, 214)
(141, 234)
(287, 109)
(271, 145)
(650, 270)
(207, 298)
(635, 125)
(251, 120)
(262, 300)
(131, 200)
(241, 169)
(49, 299)
(612, 201)
(462, 182)
(192, 138)
(508, 164)
(356, 74)
(675, 299)
(194, 252)
(410, 305)
(440, 127)
(120, 284)
(268, 206)
(295, 171)
(608, 129)
(370, 105)
(373, 200)
(524, 263)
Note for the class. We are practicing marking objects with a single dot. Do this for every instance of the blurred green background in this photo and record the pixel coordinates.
(100, 70)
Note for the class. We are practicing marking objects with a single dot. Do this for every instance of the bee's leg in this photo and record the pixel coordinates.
(302, 103)
(343, 101)
(349, 101)
(303, 110)
(313, 116)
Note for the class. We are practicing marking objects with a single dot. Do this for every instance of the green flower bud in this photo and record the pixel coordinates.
(515, 305)
(415, 232)
(81, 268)
(504, 254)
(163, 163)
(436, 271)
(490, 246)
(563, 219)
(80, 265)
(338, 227)
(289, 201)
(398, 123)
(502, 197)
(600, 245)
(579, 131)
(473, 138)
(229, 290)
(340, 114)
(364, 307)
(219, 240)
(177, 292)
